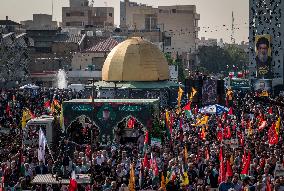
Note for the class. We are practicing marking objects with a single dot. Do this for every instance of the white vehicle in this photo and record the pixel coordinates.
(49, 127)
(76, 87)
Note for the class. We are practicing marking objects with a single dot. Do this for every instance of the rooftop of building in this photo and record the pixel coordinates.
(103, 46)
(65, 37)
(9, 23)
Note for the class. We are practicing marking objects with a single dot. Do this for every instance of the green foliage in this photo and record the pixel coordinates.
(169, 58)
(176, 62)
(215, 59)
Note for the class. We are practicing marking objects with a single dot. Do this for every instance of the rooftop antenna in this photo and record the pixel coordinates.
(233, 41)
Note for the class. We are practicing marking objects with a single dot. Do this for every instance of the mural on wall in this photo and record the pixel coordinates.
(263, 56)
(265, 20)
(209, 92)
(107, 115)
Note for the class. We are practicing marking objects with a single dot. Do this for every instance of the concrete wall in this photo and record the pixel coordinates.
(266, 17)
(78, 3)
(40, 21)
(133, 15)
(180, 25)
(81, 60)
(81, 16)
(63, 48)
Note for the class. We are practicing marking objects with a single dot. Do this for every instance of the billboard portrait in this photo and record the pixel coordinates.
(261, 84)
(263, 56)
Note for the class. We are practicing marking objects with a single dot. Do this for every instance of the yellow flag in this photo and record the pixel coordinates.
(25, 117)
(185, 154)
(131, 185)
(192, 94)
(277, 126)
(185, 180)
(264, 94)
(167, 117)
(61, 118)
(24, 120)
(180, 92)
(202, 121)
(231, 160)
(163, 183)
(52, 108)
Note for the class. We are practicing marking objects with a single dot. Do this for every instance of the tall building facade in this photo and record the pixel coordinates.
(177, 25)
(40, 21)
(266, 19)
(81, 13)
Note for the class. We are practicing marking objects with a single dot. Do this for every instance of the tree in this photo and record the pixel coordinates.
(177, 62)
(238, 57)
(215, 59)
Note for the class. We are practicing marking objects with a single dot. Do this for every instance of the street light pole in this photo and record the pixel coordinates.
(92, 137)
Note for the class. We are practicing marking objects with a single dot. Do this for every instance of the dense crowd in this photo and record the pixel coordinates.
(236, 150)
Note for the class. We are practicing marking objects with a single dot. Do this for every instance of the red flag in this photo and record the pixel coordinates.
(262, 125)
(146, 163)
(222, 174)
(219, 136)
(229, 171)
(73, 182)
(146, 140)
(230, 112)
(131, 122)
(8, 109)
(228, 132)
(270, 110)
(32, 115)
(187, 106)
(207, 153)
(47, 104)
(268, 185)
(272, 135)
(246, 165)
(202, 134)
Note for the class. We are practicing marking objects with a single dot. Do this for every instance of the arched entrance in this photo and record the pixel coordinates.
(79, 130)
(128, 130)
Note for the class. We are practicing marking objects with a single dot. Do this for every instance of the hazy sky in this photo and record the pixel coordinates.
(213, 13)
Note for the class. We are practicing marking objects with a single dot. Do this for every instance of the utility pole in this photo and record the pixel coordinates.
(233, 29)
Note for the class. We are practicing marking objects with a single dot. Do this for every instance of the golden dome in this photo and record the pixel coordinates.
(135, 60)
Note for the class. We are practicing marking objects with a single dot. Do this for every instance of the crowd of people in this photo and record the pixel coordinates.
(240, 149)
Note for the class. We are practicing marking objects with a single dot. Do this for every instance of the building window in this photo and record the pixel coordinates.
(67, 23)
(110, 14)
(82, 14)
(67, 14)
(174, 10)
(167, 41)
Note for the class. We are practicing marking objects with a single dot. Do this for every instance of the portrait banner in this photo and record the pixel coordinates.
(263, 56)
